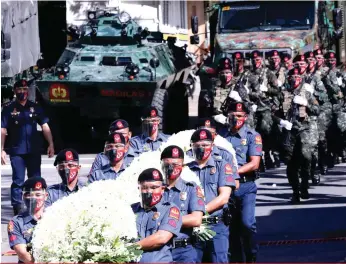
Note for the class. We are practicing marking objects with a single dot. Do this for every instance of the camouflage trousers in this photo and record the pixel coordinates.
(324, 122)
(301, 153)
(336, 136)
(220, 95)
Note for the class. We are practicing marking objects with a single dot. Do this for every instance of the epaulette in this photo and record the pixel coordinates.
(189, 183)
(7, 103)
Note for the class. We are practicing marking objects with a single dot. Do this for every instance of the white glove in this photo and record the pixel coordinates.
(254, 107)
(263, 88)
(339, 80)
(300, 100)
(308, 87)
(286, 124)
(220, 119)
(235, 95)
(279, 83)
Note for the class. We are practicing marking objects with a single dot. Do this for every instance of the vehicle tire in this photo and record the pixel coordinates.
(160, 100)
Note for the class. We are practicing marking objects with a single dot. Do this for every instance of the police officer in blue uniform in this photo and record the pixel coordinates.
(119, 126)
(217, 180)
(184, 195)
(151, 138)
(158, 220)
(115, 151)
(218, 153)
(20, 228)
(248, 146)
(67, 164)
(19, 122)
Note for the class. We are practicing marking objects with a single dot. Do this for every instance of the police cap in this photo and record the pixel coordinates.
(34, 183)
(206, 123)
(172, 152)
(116, 138)
(66, 155)
(20, 83)
(117, 125)
(201, 134)
(150, 174)
(238, 107)
(150, 112)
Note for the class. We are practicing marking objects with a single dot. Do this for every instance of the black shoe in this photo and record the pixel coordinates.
(323, 170)
(295, 198)
(304, 194)
(250, 259)
(316, 179)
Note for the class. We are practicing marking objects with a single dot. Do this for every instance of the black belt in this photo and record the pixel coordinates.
(244, 179)
(177, 243)
(211, 220)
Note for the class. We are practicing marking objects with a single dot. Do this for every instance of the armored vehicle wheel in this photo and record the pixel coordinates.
(159, 101)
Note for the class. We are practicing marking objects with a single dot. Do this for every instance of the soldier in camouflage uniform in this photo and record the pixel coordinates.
(265, 94)
(320, 65)
(333, 81)
(313, 77)
(287, 62)
(276, 67)
(301, 142)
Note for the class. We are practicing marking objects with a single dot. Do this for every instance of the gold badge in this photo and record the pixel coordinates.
(243, 141)
(15, 112)
(213, 170)
(183, 196)
(28, 233)
(156, 216)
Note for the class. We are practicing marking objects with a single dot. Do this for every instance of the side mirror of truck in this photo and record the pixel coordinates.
(194, 39)
(5, 40)
(194, 24)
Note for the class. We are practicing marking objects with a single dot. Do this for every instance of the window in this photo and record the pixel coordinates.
(87, 58)
(109, 61)
(143, 60)
(123, 61)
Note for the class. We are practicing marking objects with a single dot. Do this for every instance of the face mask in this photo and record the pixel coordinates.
(115, 155)
(294, 83)
(302, 69)
(150, 199)
(68, 175)
(225, 78)
(34, 205)
(319, 62)
(332, 64)
(201, 153)
(149, 129)
(258, 64)
(171, 172)
(236, 123)
(312, 66)
(22, 96)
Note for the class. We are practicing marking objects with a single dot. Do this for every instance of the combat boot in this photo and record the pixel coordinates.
(295, 197)
(304, 194)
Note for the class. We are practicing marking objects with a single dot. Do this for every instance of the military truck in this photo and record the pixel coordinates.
(113, 68)
(287, 26)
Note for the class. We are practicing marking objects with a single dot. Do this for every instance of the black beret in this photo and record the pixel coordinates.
(318, 52)
(330, 55)
(255, 54)
(299, 58)
(225, 64)
(309, 54)
(172, 152)
(238, 107)
(201, 134)
(206, 122)
(66, 155)
(294, 71)
(237, 56)
(20, 83)
(150, 112)
(273, 53)
(286, 56)
(34, 184)
(118, 124)
(150, 174)
(116, 138)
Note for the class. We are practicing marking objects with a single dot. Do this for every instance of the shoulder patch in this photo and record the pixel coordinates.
(199, 192)
(258, 140)
(10, 227)
(174, 213)
(228, 169)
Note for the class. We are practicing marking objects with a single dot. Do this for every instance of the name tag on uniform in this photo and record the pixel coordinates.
(183, 196)
(213, 170)
(243, 141)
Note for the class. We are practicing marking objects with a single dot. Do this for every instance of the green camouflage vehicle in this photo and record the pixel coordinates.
(288, 26)
(112, 68)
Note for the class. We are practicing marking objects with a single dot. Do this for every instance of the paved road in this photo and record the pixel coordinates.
(314, 231)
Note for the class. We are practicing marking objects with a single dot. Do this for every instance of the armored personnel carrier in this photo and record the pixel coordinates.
(113, 68)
